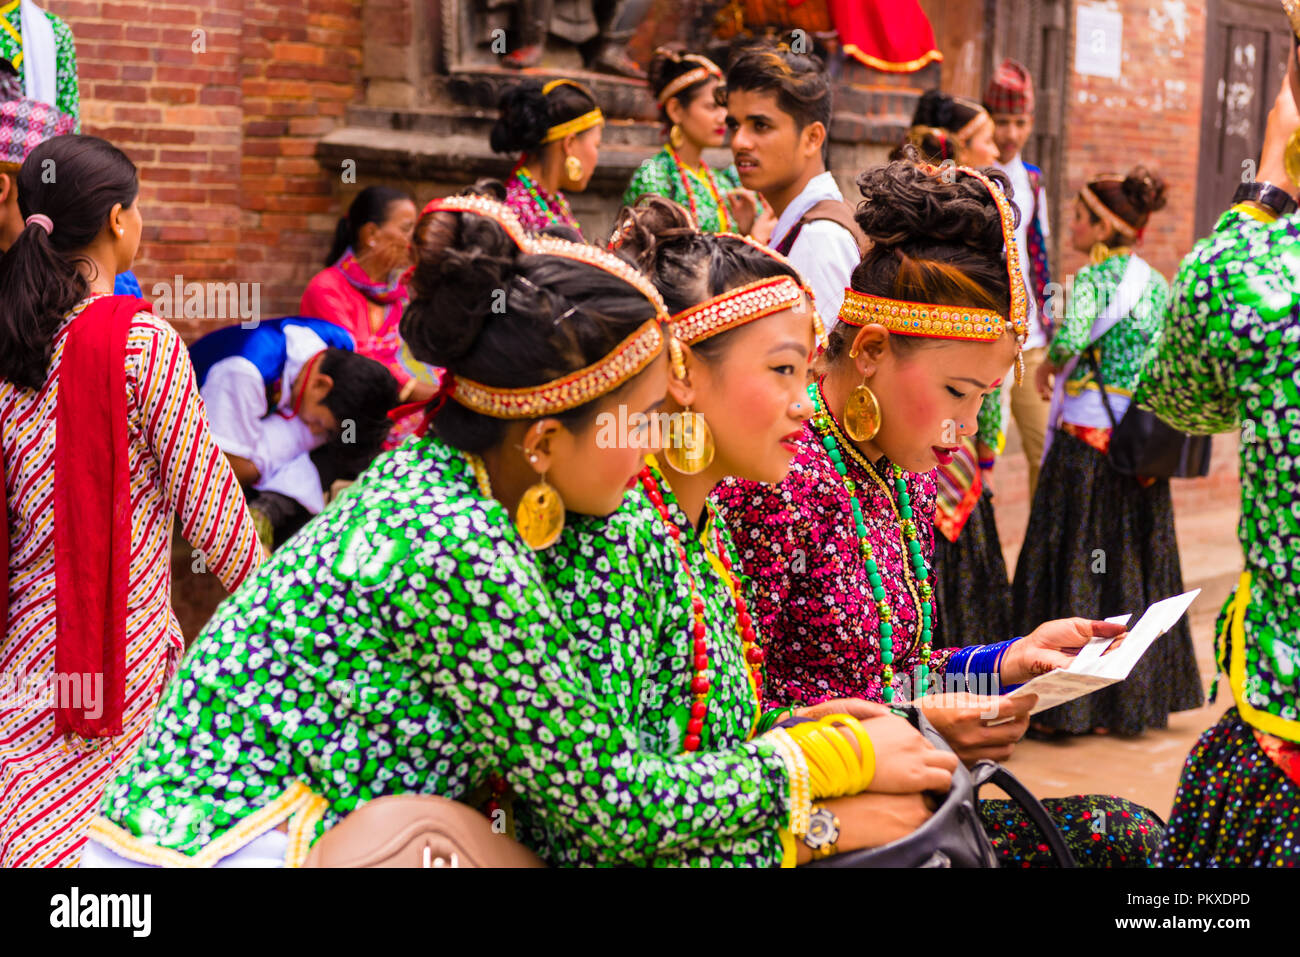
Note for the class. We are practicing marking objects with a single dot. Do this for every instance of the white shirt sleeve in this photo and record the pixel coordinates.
(235, 397)
(825, 255)
(299, 479)
(1042, 212)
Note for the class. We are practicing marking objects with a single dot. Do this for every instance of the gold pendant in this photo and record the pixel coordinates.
(690, 449)
(862, 414)
(540, 516)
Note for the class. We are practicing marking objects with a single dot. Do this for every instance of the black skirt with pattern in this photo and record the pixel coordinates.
(1099, 544)
(971, 592)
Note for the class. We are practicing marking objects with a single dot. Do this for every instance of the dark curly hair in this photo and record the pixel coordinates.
(932, 241)
(688, 266)
(1133, 198)
(527, 113)
(482, 309)
(666, 64)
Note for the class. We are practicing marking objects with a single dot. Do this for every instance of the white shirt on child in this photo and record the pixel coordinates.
(278, 445)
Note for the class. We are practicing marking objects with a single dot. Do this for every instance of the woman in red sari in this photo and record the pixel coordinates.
(103, 438)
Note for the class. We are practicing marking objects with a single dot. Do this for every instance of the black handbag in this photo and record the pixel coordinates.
(954, 835)
(1142, 443)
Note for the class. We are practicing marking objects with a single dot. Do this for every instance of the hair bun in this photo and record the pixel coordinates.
(904, 206)
(524, 118)
(1144, 190)
(464, 262)
(648, 226)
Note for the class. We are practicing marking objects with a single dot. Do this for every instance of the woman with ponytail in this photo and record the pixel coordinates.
(1100, 542)
(555, 130)
(103, 438)
(404, 641)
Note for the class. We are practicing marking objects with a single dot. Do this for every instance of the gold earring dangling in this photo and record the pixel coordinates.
(675, 136)
(690, 448)
(573, 168)
(677, 358)
(540, 515)
(862, 414)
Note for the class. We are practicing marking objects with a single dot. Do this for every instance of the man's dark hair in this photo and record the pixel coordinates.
(363, 392)
(799, 80)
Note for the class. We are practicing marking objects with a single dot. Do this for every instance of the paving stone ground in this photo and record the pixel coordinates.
(1144, 768)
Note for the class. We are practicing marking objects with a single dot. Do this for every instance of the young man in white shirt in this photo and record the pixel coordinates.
(1010, 100)
(779, 112)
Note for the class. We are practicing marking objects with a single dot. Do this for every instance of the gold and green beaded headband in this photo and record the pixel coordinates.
(953, 322)
(626, 360)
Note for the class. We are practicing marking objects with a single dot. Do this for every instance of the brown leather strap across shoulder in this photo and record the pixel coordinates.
(840, 213)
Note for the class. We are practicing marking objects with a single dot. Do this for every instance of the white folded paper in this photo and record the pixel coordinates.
(1091, 670)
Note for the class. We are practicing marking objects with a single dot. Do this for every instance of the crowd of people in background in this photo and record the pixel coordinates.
(445, 582)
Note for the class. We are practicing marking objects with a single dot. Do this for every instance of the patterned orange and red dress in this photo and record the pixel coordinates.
(50, 784)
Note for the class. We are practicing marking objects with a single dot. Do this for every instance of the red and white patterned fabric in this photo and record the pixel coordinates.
(50, 784)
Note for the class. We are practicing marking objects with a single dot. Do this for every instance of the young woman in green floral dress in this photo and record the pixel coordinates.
(404, 642)
(684, 86)
(1228, 360)
(1100, 543)
(659, 618)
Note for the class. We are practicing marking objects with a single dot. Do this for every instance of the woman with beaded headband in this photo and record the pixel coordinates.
(658, 615)
(839, 552)
(685, 86)
(972, 594)
(404, 641)
(1099, 542)
(555, 129)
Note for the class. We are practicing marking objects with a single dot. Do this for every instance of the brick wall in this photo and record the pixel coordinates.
(223, 124)
(1150, 114)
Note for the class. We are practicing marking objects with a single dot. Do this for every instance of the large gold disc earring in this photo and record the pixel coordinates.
(675, 136)
(573, 169)
(862, 414)
(690, 449)
(540, 515)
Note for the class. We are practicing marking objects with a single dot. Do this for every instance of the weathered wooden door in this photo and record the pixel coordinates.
(1246, 47)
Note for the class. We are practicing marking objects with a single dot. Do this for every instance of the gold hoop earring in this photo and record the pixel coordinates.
(691, 448)
(862, 414)
(539, 517)
(573, 168)
(675, 136)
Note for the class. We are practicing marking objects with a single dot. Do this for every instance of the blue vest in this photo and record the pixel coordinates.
(263, 345)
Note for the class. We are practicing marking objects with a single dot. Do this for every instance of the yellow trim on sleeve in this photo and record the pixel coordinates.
(1254, 212)
(1263, 720)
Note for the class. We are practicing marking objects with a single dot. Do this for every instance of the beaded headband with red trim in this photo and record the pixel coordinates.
(953, 322)
(819, 325)
(706, 69)
(735, 307)
(627, 359)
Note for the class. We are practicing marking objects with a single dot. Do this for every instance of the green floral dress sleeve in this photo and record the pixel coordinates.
(67, 92)
(654, 175)
(990, 421)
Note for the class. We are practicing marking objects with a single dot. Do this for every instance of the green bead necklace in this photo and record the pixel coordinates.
(566, 215)
(824, 425)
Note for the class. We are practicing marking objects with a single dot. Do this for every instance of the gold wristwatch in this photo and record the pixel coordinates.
(823, 832)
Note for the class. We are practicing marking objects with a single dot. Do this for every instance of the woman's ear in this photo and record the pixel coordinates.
(682, 391)
(366, 236)
(115, 220)
(868, 348)
(674, 110)
(538, 444)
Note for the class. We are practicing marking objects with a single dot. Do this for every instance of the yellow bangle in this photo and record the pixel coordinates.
(868, 758)
(1255, 212)
(789, 849)
(826, 771)
(851, 760)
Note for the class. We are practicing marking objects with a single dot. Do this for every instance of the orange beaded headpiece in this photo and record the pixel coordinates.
(746, 303)
(706, 69)
(953, 322)
(626, 360)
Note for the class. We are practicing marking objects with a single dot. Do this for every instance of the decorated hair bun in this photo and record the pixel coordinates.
(1144, 190)
(905, 206)
(644, 228)
(524, 119)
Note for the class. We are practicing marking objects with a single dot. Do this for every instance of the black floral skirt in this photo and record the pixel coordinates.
(1100, 831)
(1099, 544)
(971, 592)
(1234, 806)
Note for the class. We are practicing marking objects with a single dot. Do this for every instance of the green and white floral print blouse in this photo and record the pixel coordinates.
(658, 175)
(404, 641)
(620, 585)
(1124, 345)
(1230, 358)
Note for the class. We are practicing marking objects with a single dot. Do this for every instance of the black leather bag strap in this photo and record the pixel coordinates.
(988, 772)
